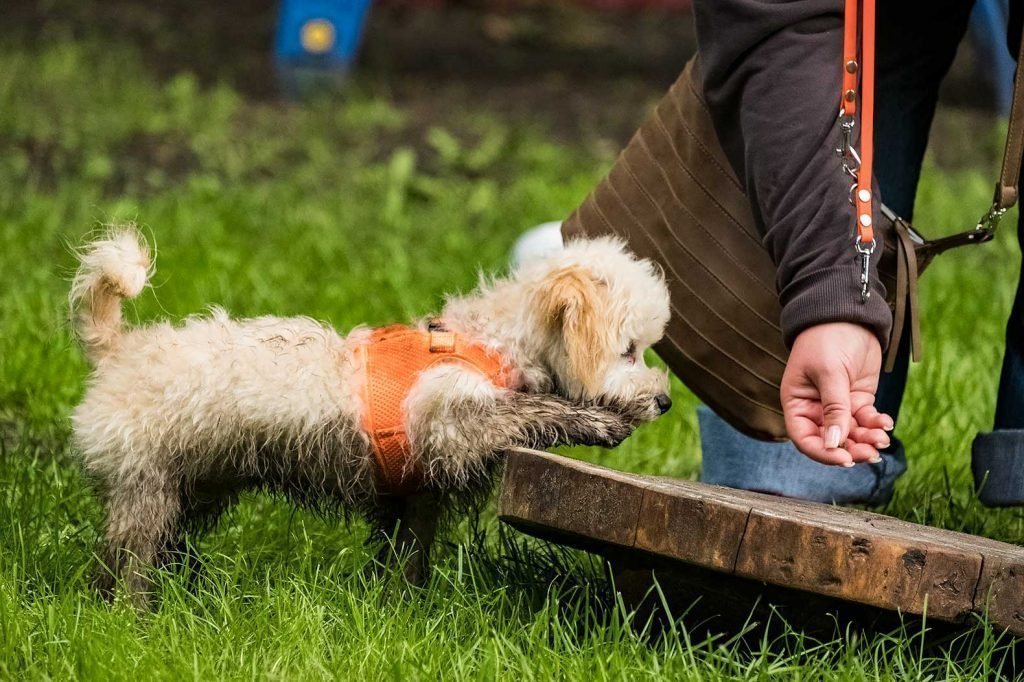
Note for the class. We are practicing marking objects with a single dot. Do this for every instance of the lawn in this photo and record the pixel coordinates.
(354, 212)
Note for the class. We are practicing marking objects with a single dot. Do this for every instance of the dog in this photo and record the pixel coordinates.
(177, 420)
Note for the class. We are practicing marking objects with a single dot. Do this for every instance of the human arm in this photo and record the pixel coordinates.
(771, 75)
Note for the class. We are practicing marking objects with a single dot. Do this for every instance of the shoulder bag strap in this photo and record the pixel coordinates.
(1006, 189)
(1006, 193)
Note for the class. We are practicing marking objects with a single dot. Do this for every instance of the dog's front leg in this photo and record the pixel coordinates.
(543, 420)
(458, 422)
(409, 525)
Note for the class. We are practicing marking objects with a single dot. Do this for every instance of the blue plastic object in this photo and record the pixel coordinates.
(317, 42)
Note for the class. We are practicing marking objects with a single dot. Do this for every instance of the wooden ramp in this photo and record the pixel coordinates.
(705, 534)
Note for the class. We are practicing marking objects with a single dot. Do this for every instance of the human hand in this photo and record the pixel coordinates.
(828, 395)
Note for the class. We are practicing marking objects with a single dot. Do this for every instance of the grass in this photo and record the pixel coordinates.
(351, 213)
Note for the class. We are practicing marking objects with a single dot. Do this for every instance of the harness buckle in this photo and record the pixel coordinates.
(441, 339)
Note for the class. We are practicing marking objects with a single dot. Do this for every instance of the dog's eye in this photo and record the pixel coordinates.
(630, 353)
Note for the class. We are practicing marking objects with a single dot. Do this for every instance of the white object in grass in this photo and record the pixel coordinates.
(537, 243)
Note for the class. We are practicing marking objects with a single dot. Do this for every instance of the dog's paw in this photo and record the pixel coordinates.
(607, 430)
(639, 410)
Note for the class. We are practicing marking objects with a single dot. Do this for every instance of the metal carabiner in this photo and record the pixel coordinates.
(865, 251)
(846, 150)
(988, 223)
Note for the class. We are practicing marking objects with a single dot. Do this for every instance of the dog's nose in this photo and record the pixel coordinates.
(664, 403)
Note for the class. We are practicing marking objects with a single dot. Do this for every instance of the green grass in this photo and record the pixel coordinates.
(350, 213)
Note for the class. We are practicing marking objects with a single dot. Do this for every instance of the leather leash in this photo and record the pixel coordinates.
(858, 92)
(859, 60)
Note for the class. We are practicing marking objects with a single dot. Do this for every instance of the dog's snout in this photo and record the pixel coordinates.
(664, 403)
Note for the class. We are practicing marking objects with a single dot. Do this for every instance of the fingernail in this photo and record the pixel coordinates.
(876, 460)
(889, 427)
(881, 445)
(832, 437)
(849, 464)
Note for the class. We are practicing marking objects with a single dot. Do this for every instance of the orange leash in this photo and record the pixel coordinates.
(859, 60)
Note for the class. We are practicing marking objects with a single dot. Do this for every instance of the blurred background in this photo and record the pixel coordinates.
(355, 161)
(581, 68)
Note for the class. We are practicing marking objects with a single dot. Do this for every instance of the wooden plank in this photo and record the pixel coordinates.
(837, 553)
(851, 561)
(710, 536)
(715, 603)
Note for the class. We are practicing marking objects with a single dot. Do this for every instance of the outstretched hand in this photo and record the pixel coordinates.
(828, 395)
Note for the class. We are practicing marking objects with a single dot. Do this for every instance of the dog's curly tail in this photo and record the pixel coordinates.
(112, 268)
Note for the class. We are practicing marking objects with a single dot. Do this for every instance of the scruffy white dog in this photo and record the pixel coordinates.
(178, 419)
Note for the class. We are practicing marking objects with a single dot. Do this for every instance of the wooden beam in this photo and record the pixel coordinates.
(838, 553)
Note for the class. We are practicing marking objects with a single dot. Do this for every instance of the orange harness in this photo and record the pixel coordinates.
(390, 363)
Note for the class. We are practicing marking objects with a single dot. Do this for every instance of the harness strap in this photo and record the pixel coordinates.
(391, 362)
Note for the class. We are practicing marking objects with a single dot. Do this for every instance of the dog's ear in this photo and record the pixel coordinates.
(574, 304)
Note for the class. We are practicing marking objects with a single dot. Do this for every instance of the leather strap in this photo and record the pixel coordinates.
(899, 312)
(1006, 189)
(859, 38)
(848, 103)
(906, 309)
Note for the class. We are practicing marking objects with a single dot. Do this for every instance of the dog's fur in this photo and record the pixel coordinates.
(178, 419)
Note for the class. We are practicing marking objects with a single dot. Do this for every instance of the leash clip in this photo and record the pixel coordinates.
(865, 251)
(986, 227)
(846, 151)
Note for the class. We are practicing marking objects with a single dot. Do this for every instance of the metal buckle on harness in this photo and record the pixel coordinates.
(441, 339)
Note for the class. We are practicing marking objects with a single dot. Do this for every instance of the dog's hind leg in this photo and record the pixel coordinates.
(144, 514)
(408, 526)
(201, 511)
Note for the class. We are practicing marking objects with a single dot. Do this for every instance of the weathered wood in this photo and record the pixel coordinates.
(714, 603)
(837, 553)
(710, 537)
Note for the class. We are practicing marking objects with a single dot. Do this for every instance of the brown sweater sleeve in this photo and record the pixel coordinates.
(772, 80)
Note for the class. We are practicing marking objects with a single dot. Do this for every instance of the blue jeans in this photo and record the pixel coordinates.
(914, 54)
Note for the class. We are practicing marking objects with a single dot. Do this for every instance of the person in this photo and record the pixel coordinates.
(771, 80)
(766, 66)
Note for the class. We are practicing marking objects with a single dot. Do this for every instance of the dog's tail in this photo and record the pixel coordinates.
(110, 269)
